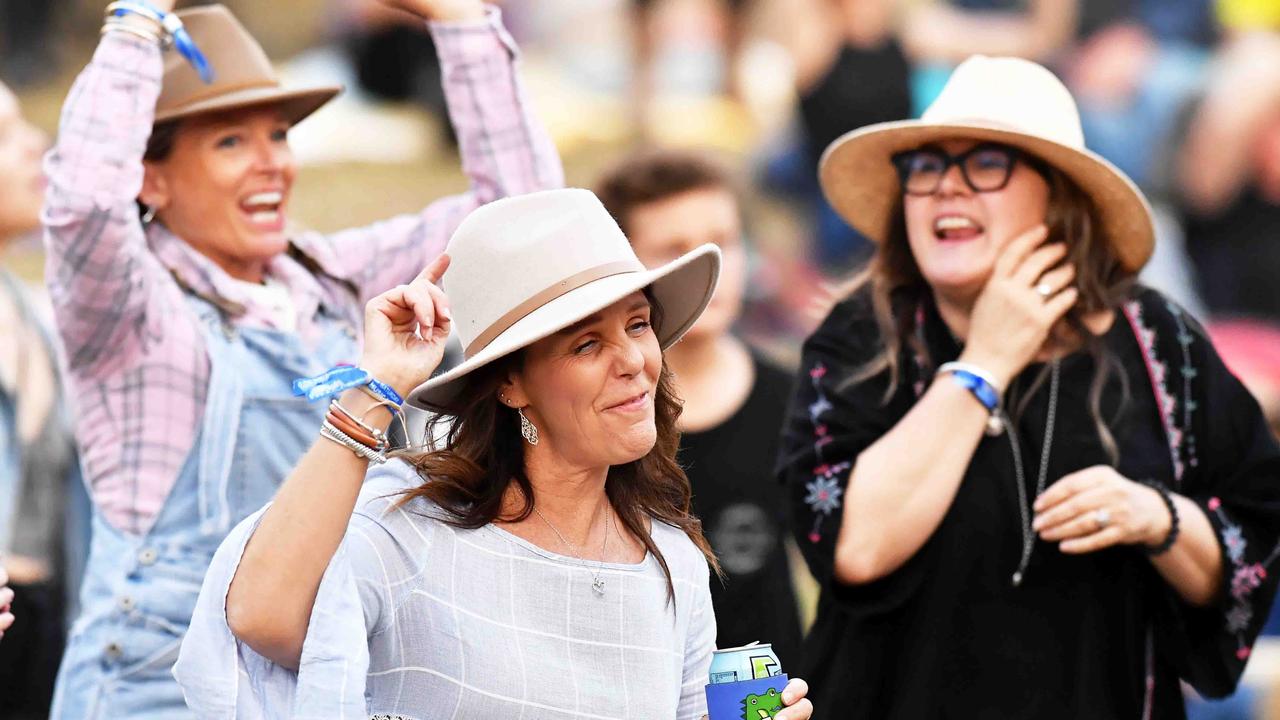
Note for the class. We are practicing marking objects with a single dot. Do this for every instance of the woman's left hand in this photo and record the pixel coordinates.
(440, 10)
(1097, 508)
(796, 705)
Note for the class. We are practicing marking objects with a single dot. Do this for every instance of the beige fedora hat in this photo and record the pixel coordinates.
(528, 266)
(242, 74)
(1007, 100)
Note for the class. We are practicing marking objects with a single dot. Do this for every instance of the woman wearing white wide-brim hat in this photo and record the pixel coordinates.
(1028, 485)
(542, 561)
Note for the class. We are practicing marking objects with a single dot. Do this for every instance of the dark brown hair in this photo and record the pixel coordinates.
(648, 176)
(160, 143)
(897, 289)
(482, 453)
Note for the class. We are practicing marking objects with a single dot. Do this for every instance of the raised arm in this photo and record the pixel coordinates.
(102, 278)
(271, 596)
(505, 150)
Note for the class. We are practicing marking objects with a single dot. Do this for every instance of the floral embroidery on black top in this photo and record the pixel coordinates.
(823, 492)
(1073, 640)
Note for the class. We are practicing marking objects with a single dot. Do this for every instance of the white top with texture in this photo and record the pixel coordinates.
(417, 619)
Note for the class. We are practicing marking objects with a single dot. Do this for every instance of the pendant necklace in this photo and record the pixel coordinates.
(1028, 536)
(597, 582)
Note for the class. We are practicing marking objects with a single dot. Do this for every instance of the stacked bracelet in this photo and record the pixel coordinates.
(169, 32)
(1172, 536)
(330, 432)
(117, 25)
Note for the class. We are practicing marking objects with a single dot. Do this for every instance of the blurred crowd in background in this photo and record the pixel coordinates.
(1183, 95)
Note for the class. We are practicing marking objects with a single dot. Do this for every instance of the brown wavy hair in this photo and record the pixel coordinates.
(897, 288)
(481, 453)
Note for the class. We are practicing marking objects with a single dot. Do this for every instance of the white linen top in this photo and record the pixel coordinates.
(418, 619)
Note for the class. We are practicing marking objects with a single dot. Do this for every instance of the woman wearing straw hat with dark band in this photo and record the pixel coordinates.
(1028, 485)
(541, 561)
(188, 304)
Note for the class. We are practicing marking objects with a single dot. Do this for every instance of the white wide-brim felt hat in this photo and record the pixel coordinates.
(525, 267)
(998, 99)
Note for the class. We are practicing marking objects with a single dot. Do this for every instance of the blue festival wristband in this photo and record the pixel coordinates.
(385, 391)
(981, 389)
(341, 379)
(177, 32)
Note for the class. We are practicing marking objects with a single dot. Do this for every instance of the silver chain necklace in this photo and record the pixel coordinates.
(597, 582)
(1028, 537)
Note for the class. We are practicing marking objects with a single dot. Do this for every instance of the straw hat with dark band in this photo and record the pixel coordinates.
(242, 74)
(1006, 100)
(525, 267)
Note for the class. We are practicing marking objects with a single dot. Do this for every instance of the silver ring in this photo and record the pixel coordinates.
(1044, 290)
(1102, 517)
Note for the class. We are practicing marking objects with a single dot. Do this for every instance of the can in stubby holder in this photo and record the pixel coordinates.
(745, 683)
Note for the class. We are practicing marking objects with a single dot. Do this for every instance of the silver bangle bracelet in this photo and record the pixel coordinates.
(117, 26)
(379, 435)
(972, 370)
(329, 432)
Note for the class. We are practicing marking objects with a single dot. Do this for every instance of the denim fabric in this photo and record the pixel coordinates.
(140, 590)
(10, 467)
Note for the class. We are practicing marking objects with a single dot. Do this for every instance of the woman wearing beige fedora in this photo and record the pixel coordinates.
(188, 304)
(541, 562)
(1028, 486)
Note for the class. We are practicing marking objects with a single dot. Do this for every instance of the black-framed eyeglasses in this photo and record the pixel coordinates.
(985, 167)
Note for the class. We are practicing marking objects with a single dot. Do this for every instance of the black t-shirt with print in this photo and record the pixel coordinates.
(743, 511)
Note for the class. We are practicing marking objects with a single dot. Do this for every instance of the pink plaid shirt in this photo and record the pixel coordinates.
(134, 347)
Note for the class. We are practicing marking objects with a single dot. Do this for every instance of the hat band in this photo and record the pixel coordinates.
(217, 91)
(567, 285)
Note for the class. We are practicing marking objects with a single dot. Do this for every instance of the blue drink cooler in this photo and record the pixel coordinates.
(746, 700)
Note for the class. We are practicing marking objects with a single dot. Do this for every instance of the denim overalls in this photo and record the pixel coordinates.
(139, 591)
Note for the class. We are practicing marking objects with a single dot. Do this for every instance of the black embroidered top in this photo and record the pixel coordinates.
(947, 635)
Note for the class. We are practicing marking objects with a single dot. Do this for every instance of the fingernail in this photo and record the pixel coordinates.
(445, 313)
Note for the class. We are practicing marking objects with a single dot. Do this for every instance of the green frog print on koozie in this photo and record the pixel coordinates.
(756, 707)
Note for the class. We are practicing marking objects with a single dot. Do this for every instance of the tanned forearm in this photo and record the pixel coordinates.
(904, 483)
(270, 599)
(1193, 566)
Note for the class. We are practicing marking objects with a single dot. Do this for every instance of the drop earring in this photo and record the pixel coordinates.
(149, 215)
(527, 429)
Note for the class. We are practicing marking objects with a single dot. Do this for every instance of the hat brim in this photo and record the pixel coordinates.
(295, 104)
(682, 288)
(860, 182)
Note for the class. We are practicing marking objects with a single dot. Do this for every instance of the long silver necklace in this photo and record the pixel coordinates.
(1024, 508)
(597, 582)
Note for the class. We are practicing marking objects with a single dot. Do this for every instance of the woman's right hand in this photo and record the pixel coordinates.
(6, 601)
(1011, 319)
(405, 330)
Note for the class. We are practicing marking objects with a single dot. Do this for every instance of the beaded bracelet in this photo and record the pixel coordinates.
(1172, 537)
